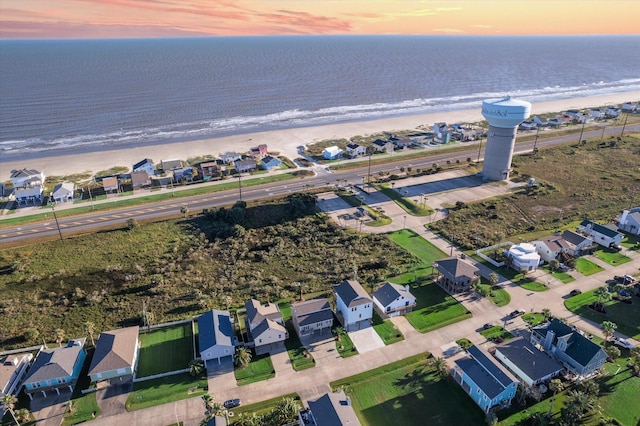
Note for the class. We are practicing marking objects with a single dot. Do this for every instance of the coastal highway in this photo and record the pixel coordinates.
(91, 222)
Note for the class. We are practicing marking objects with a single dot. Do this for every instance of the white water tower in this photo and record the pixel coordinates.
(504, 116)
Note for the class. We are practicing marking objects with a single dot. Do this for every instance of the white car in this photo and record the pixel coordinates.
(622, 342)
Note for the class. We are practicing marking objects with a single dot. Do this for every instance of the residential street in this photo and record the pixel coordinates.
(313, 382)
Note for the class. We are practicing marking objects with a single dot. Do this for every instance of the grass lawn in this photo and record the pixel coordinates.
(407, 393)
(612, 257)
(84, 407)
(630, 241)
(386, 330)
(263, 407)
(586, 267)
(464, 343)
(435, 308)
(345, 346)
(165, 349)
(417, 246)
(260, 368)
(626, 316)
(534, 318)
(496, 332)
(163, 390)
(300, 358)
(559, 275)
(405, 203)
(497, 294)
(532, 285)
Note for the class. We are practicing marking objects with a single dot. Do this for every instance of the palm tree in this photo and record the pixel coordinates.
(440, 366)
(208, 401)
(494, 278)
(602, 295)
(23, 414)
(59, 336)
(89, 328)
(608, 328)
(635, 356)
(242, 357)
(286, 411)
(556, 386)
(8, 402)
(576, 406)
(196, 367)
(554, 264)
(547, 313)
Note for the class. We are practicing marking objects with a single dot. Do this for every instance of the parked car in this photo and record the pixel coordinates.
(232, 403)
(488, 325)
(622, 343)
(517, 313)
(575, 292)
(624, 279)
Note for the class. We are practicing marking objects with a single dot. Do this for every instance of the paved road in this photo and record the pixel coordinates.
(93, 221)
(313, 382)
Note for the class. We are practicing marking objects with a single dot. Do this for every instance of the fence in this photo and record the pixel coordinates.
(480, 253)
(157, 376)
(165, 324)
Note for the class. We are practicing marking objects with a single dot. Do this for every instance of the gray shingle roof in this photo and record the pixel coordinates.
(256, 312)
(333, 409)
(265, 325)
(312, 311)
(214, 328)
(457, 267)
(599, 228)
(574, 238)
(390, 292)
(351, 293)
(531, 361)
(579, 347)
(115, 349)
(55, 363)
(485, 373)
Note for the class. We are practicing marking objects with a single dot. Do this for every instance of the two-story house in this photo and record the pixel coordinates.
(456, 275)
(354, 308)
(28, 186)
(265, 326)
(56, 368)
(259, 151)
(115, 355)
(216, 339)
(144, 165)
(523, 256)
(569, 347)
(312, 316)
(487, 382)
(13, 367)
(246, 165)
(603, 235)
(528, 363)
(330, 409)
(393, 299)
(331, 153)
(63, 192)
(354, 150)
(629, 221)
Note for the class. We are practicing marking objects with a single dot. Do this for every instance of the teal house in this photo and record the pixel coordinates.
(115, 355)
(56, 368)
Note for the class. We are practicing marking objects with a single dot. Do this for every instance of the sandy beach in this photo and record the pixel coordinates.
(284, 141)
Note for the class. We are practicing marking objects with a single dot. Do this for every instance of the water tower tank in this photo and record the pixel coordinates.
(504, 116)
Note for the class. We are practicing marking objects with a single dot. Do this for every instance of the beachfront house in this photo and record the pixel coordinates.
(212, 170)
(330, 409)
(28, 186)
(629, 221)
(13, 367)
(312, 316)
(540, 122)
(456, 275)
(230, 157)
(331, 153)
(168, 165)
(523, 257)
(596, 113)
(144, 165)
(110, 185)
(487, 382)
(115, 355)
(183, 174)
(354, 150)
(270, 162)
(354, 308)
(258, 151)
(401, 142)
(603, 235)
(382, 146)
(63, 192)
(393, 299)
(56, 368)
(528, 125)
(140, 179)
(246, 165)
(612, 112)
(629, 107)
(569, 347)
(265, 326)
(527, 362)
(216, 340)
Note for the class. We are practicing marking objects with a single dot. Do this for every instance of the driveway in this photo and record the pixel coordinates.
(49, 410)
(222, 375)
(322, 347)
(112, 399)
(366, 340)
(281, 362)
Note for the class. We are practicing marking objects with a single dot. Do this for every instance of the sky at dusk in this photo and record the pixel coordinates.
(177, 18)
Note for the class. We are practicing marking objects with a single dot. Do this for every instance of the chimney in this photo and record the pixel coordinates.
(548, 340)
(623, 218)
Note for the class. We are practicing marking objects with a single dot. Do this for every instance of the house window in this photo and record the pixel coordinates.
(259, 340)
(279, 336)
(388, 308)
(60, 381)
(406, 303)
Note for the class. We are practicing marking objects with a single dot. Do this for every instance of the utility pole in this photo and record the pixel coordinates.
(535, 149)
(584, 121)
(370, 151)
(240, 185)
(602, 136)
(624, 125)
(53, 205)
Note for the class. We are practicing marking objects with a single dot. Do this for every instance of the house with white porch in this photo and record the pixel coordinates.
(354, 150)
(456, 275)
(265, 326)
(312, 316)
(354, 308)
(601, 234)
(28, 186)
(63, 192)
(596, 113)
(13, 367)
(394, 299)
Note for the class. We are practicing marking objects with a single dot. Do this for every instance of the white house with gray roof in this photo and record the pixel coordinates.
(629, 221)
(265, 326)
(63, 192)
(12, 370)
(115, 355)
(216, 339)
(601, 234)
(394, 299)
(330, 409)
(528, 363)
(354, 308)
(312, 316)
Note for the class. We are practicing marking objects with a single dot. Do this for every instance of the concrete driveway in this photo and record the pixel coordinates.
(112, 399)
(322, 347)
(366, 340)
(49, 410)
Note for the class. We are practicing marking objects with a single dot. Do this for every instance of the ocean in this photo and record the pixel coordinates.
(58, 96)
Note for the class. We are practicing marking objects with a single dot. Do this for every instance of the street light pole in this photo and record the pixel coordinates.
(602, 136)
(404, 223)
(369, 172)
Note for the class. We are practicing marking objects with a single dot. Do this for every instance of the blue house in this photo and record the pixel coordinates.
(146, 165)
(270, 162)
(487, 383)
(215, 336)
(332, 153)
(56, 368)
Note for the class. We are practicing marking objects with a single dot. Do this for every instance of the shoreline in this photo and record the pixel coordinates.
(284, 141)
